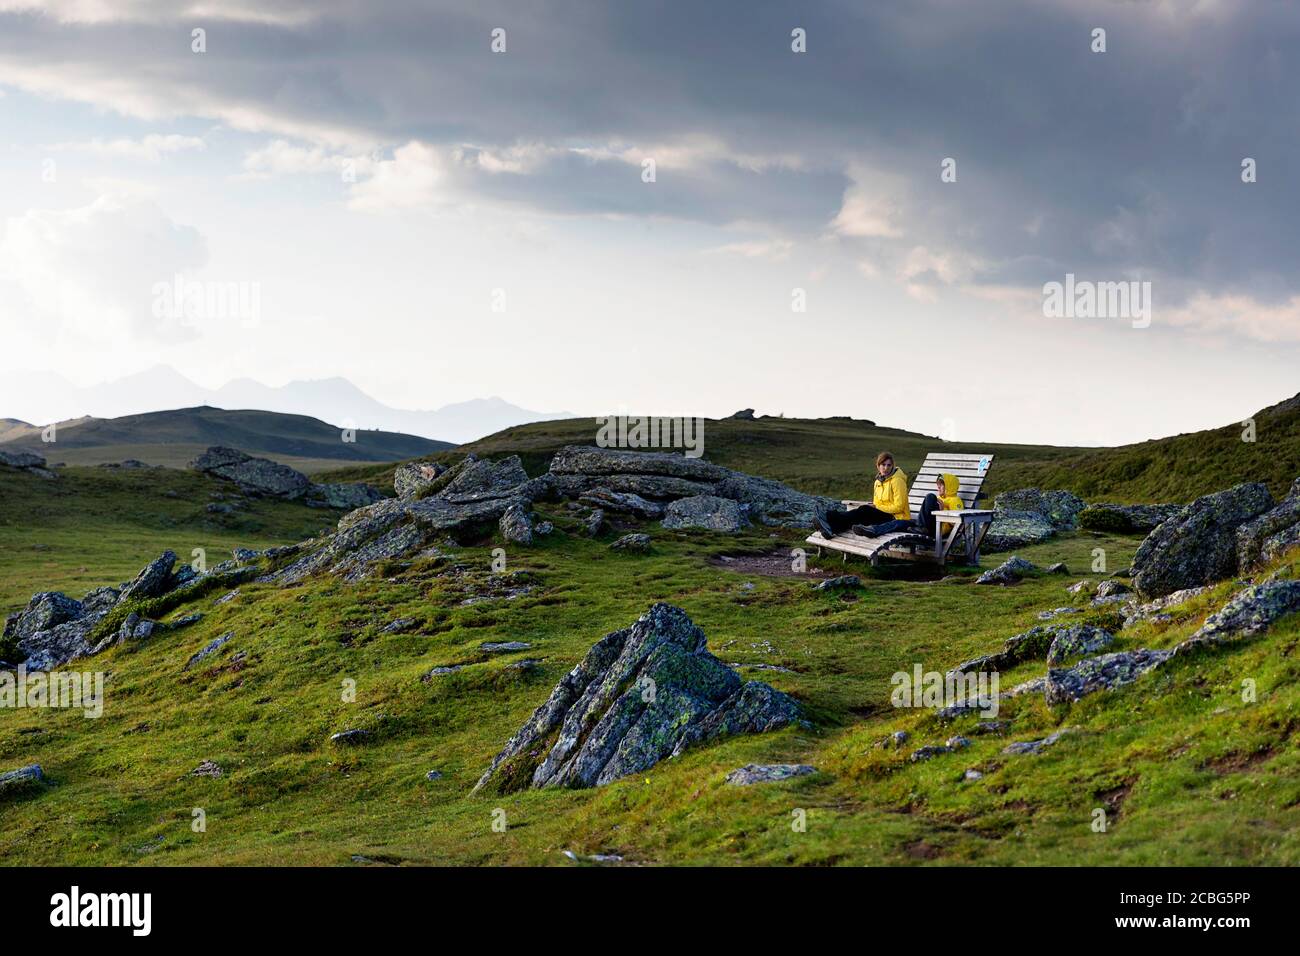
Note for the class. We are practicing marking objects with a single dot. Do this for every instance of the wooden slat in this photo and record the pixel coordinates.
(957, 456)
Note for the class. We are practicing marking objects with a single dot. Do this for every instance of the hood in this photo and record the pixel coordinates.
(949, 485)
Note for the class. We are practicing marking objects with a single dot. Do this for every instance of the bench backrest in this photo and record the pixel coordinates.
(970, 470)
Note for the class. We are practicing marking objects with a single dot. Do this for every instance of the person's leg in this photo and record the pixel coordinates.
(863, 514)
(926, 519)
(885, 527)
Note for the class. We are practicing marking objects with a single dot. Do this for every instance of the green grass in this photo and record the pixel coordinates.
(1197, 775)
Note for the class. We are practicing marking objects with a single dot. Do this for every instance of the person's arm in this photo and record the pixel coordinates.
(891, 495)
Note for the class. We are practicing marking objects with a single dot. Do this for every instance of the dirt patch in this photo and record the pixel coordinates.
(1239, 762)
(776, 564)
(920, 850)
(1114, 798)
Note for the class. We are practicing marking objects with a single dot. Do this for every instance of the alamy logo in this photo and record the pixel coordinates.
(103, 909)
(196, 301)
(1098, 300)
(67, 690)
(933, 690)
(647, 431)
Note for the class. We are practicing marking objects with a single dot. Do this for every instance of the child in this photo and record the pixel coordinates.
(943, 498)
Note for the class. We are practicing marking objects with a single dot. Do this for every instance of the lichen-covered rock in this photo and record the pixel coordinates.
(208, 649)
(636, 542)
(622, 503)
(594, 522)
(1278, 524)
(1078, 641)
(641, 694)
(154, 579)
(705, 511)
(1030, 645)
(343, 495)
(767, 773)
(1016, 529)
(477, 481)
(20, 459)
(44, 611)
(1157, 608)
(1008, 572)
(1100, 673)
(516, 525)
(1110, 588)
(410, 478)
(256, 476)
(1125, 519)
(1249, 612)
(1198, 545)
(590, 460)
(1057, 508)
(1037, 746)
(842, 582)
(773, 503)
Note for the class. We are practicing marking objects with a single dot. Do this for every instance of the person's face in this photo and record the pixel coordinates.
(885, 465)
(940, 486)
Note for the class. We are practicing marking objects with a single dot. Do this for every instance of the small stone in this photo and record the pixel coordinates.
(767, 773)
(433, 775)
(973, 775)
(843, 581)
(504, 647)
(636, 543)
(209, 649)
(24, 778)
(1058, 568)
(1009, 572)
(349, 737)
(206, 769)
(398, 626)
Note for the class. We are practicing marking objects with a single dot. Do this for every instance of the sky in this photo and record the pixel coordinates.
(443, 201)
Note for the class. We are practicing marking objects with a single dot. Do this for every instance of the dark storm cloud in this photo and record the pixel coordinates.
(1115, 163)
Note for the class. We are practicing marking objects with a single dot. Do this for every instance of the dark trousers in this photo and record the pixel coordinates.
(924, 521)
(863, 514)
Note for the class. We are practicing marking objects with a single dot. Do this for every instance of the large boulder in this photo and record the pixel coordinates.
(640, 695)
(1268, 535)
(622, 503)
(705, 511)
(516, 525)
(476, 480)
(346, 496)
(154, 579)
(410, 478)
(1100, 673)
(1199, 544)
(44, 611)
(254, 476)
(772, 503)
(1125, 519)
(1057, 508)
(589, 460)
(1016, 529)
(13, 458)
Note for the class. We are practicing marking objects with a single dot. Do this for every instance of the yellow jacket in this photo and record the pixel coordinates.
(891, 495)
(949, 500)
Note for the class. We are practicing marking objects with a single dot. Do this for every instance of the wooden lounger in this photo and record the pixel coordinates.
(970, 524)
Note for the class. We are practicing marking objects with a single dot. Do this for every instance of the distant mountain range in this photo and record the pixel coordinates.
(44, 397)
(175, 437)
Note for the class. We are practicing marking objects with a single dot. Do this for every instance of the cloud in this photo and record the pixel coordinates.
(150, 148)
(87, 274)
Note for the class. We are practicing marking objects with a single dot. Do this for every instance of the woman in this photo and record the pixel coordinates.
(888, 497)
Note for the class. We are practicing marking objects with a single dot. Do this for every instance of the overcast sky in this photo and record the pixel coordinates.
(436, 221)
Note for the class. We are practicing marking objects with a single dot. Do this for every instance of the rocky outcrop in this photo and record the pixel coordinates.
(154, 579)
(345, 496)
(1199, 544)
(516, 525)
(1008, 572)
(585, 472)
(1016, 529)
(1100, 673)
(254, 476)
(269, 479)
(1078, 641)
(24, 461)
(706, 511)
(1271, 533)
(412, 477)
(1125, 519)
(1058, 508)
(1249, 612)
(641, 694)
(620, 502)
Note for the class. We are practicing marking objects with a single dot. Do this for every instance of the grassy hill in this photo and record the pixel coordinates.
(173, 438)
(833, 456)
(1187, 772)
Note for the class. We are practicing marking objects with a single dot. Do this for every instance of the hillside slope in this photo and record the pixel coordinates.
(833, 456)
(173, 437)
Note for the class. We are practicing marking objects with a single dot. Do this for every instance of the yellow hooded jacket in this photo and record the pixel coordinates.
(891, 495)
(949, 500)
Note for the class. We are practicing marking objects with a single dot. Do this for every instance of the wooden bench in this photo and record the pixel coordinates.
(970, 524)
